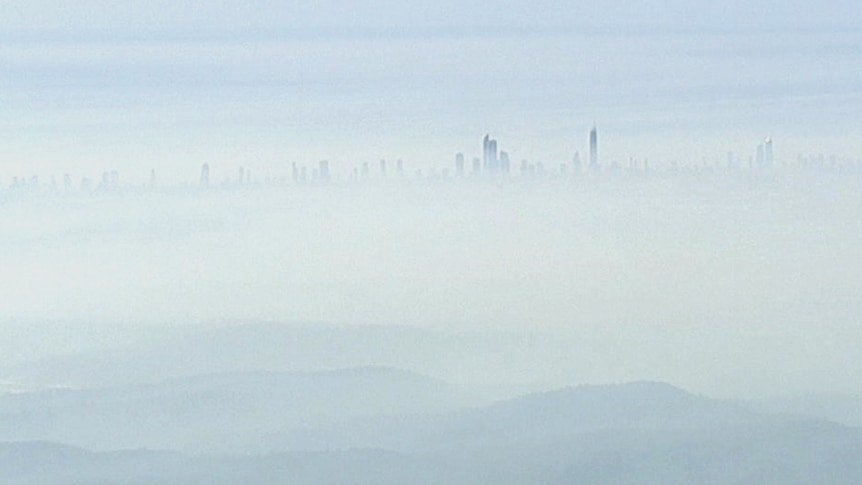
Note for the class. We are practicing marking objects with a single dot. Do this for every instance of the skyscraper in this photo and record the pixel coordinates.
(594, 149)
(493, 162)
(504, 163)
(323, 170)
(486, 142)
(459, 164)
(767, 152)
(490, 162)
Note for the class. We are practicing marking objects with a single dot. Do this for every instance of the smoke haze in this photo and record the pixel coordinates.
(267, 243)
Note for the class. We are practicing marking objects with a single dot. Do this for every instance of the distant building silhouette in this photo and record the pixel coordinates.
(323, 170)
(767, 152)
(490, 162)
(205, 175)
(504, 163)
(493, 162)
(459, 164)
(486, 142)
(594, 149)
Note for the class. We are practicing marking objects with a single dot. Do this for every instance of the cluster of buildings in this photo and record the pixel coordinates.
(497, 162)
(493, 164)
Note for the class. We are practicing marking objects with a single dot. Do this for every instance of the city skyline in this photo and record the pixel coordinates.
(494, 163)
(528, 242)
(92, 101)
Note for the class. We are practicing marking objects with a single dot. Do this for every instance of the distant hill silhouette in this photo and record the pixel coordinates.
(544, 416)
(477, 356)
(845, 409)
(634, 434)
(216, 411)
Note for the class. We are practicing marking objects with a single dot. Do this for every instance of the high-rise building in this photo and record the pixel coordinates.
(493, 161)
(205, 175)
(767, 152)
(504, 163)
(594, 148)
(486, 142)
(459, 164)
(323, 170)
(383, 168)
(490, 161)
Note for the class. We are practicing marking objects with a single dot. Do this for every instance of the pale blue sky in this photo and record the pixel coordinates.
(154, 15)
(89, 86)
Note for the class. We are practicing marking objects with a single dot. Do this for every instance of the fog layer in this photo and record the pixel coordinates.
(727, 287)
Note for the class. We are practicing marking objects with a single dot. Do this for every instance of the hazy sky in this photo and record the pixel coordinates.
(723, 287)
(95, 86)
(195, 16)
(87, 87)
